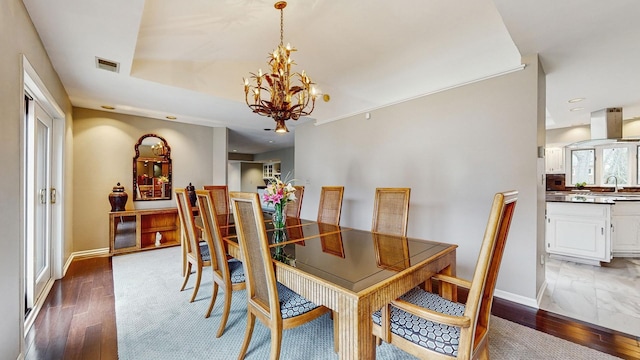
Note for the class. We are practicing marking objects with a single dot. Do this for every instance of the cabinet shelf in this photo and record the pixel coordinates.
(158, 229)
(162, 245)
(136, 230)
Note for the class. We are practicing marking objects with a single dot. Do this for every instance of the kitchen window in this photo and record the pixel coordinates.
(615, 162)
(613, 159)
(583, 166)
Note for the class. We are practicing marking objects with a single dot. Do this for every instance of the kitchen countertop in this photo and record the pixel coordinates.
(590, 197)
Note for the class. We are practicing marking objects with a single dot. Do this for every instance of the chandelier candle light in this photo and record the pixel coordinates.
(284, 100)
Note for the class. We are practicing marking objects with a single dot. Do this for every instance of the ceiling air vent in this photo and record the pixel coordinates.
(108, 65)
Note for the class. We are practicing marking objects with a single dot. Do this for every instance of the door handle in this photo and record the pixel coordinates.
(43, 196)
(53, 195)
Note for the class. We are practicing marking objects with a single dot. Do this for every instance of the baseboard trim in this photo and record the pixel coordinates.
(83, 255)
(576, 259)
(516, 298)
(543, 288)
(628, 254)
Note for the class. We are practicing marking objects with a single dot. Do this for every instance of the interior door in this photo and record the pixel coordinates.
(40, 197)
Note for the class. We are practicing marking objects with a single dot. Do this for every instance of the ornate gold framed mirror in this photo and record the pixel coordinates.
(152, 169)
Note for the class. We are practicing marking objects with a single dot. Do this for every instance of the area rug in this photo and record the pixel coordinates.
(156, 321)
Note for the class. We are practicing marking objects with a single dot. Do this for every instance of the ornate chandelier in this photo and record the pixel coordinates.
(283, 100)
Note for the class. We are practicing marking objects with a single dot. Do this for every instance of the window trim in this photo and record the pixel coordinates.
(633, 163)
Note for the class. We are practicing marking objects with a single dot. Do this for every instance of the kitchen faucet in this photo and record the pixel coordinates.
(616, 179)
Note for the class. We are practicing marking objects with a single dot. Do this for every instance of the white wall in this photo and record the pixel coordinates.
(220, 156)
(103, 156)
(454, 149)
(19, 38)
(251, 176)
(234, 177)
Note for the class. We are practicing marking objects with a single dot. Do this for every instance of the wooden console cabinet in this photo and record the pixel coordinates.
(136, 230)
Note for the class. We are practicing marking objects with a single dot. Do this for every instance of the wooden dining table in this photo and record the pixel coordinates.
(352, 272)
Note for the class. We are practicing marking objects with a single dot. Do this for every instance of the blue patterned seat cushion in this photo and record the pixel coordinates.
(433, 336)
(293, 304)
(236, 271)
(204, 252)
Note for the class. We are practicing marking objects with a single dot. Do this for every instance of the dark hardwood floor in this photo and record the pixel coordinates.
(77, 320)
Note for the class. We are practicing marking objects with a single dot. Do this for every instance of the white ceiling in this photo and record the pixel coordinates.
(187, 58)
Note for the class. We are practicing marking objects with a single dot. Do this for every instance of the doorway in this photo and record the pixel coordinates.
(42, 218)
(39, 200)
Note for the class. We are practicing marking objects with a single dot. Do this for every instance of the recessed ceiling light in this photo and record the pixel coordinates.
(170, 117)
(235, 150)
(576, 109)
(270, 141)
(576, 100)
(107, 107)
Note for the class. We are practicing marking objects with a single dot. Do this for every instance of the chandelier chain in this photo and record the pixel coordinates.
(281, 27)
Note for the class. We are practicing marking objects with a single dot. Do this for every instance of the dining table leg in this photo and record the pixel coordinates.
(447, 290)
(356, 339)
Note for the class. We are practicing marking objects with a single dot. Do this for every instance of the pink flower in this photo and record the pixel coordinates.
(277, 192)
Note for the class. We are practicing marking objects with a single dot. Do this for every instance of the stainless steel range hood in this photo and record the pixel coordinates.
(606, 124)
(606, 128)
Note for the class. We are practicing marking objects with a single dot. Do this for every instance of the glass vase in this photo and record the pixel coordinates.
(279, 217)
(279, 236)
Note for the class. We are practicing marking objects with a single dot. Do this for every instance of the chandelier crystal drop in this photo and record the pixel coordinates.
(280, 94)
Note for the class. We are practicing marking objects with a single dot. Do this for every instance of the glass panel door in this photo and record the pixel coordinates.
(39, 199)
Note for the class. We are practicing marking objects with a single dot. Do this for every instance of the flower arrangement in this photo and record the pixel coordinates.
(279, 194)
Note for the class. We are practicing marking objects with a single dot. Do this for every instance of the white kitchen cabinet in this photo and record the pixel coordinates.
(581, 231)
(271, 170)
(625, 230)
(554, 160)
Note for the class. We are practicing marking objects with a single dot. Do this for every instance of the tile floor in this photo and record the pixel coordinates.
(608, 296)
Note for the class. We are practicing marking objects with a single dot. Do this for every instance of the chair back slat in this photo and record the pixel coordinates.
(391, 211)
(330, 204)
(509, 201)
(480, 298)
(207, 207)
(220, 195)
(187, 221)
(293, 209)
(252, 238)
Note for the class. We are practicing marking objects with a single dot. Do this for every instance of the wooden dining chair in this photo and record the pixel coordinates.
(427, 325)
(330, 204)
(275, 305)
(196, 254)
(228, 274)
(391, 211)
(293, 209)
(220, 194)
